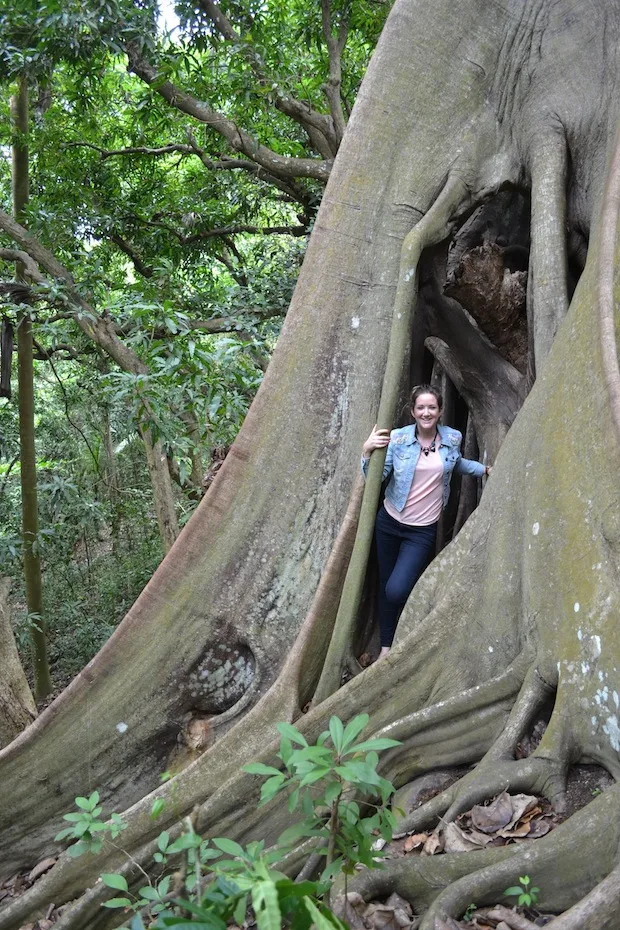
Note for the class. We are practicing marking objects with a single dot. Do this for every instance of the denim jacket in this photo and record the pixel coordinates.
(402, 457)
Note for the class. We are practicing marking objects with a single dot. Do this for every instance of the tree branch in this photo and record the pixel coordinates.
(335, 46)
(141, 267)
(223, 231)
(319, 126)
(293, 191)
(281, 166)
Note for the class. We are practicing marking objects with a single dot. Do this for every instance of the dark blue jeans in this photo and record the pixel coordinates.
(403, 552)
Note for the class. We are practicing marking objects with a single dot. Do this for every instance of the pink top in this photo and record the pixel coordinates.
(425, 501)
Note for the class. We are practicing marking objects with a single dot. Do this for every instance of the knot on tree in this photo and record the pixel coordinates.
(221, 677)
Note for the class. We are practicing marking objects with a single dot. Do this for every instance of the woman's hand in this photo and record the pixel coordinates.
(378, 439)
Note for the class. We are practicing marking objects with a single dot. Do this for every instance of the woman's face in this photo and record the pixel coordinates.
(426, 411)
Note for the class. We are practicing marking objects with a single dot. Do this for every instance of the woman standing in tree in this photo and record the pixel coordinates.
(420, 459)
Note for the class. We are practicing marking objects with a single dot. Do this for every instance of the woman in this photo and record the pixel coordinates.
(420, 459)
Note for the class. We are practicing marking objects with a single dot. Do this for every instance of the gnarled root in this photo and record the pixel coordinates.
(566, 865)
(498, 771)
(598, 910)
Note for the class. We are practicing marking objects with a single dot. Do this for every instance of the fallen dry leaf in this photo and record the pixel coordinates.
(414, 841)
(539, 827)
(433, 845)
(522, 829)
(495, 815)
(521, 804)
(459, 840)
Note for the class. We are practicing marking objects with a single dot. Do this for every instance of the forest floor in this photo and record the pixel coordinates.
(505, 819)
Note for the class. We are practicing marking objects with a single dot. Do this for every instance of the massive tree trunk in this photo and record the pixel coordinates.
(17, 707)
(518, 611)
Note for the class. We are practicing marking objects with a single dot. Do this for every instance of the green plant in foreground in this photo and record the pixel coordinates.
(220, 882)
(328, 782)
(527, 895)
(469, 913)
(87, 828)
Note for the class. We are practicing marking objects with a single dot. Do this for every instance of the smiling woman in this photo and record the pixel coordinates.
(420, 459)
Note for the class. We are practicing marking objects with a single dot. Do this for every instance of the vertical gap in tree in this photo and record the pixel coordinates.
(30, 519)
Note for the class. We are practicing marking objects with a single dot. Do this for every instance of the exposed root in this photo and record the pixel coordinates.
(599, 910)
(606, 285)
(565, 865)
(489, 777)
(420, 879)
(547, 293)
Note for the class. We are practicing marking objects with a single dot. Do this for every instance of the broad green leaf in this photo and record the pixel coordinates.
(115, 881)
(331, 792)
(229, 846)
(259, 768)
(271, 787)
(336, 731)
(266, 906)
(353, 728)
(162, 841)
(117, 902)
(292, 733)
(149, 893)
(513, 890)
(240, 910)
(375, 745)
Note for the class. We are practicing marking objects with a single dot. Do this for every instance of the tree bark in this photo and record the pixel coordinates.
(17, 707)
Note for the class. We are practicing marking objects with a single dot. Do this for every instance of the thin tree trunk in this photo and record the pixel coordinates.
(162, 489)
(30, 520)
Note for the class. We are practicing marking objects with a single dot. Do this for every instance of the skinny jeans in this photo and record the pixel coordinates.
(403, 552)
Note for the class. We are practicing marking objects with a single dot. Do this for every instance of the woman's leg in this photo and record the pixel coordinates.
(388, 538)
(416, 550)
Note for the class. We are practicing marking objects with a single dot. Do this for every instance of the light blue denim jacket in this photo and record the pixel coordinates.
(402, 457)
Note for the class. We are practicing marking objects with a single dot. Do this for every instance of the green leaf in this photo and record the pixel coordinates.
(292, 733)
(117, 902)
(271, 787)
(149, 893)
(336, 731)
(157, 808)
(115, 881)
(162, 841)
(354, 728)
(240, 909)
(258, 768)
(291, 834)
(374, 744)
(320, 921)
(266, 906)
(513, 890)
(314, 776)
(229, 846)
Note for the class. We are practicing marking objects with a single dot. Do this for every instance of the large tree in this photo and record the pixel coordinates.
(519, 611)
